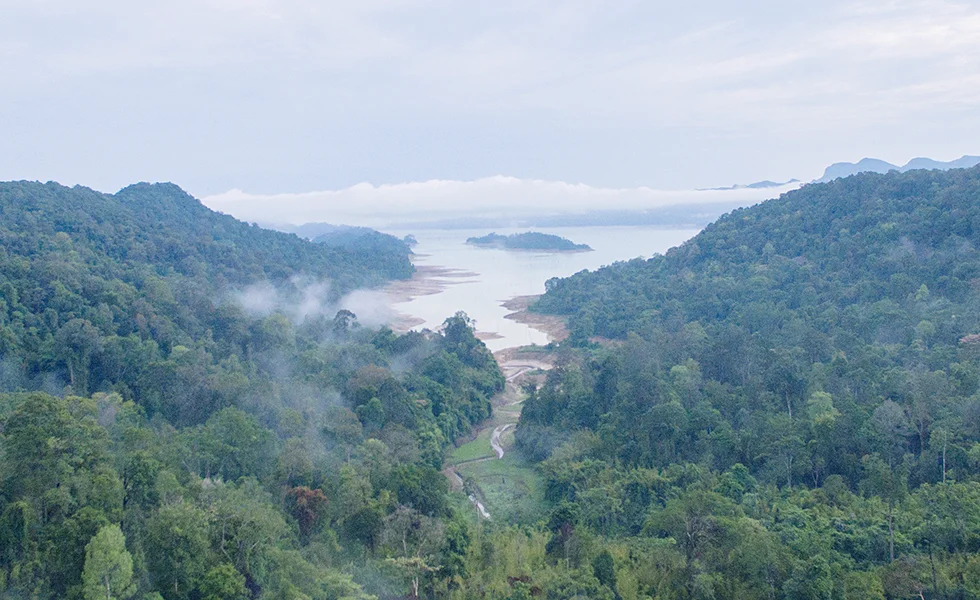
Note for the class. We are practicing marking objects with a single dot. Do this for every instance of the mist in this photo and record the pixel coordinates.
(498, 198)
(305, 299)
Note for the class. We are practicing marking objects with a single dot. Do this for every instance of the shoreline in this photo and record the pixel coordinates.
(425, 281)
(531, 250)
(432, 279)
(552, 326)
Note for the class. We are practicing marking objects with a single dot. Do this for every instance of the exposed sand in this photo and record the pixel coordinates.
(430, 279)
(552, 326)
(488, 335)
(426, 281)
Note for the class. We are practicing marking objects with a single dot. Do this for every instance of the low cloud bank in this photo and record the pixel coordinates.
(499, 198)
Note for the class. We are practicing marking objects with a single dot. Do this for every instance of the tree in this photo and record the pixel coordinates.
(223, 582)
(77, 341)
(811, 580)
(306, 505)
(694, 519)
(414, 539)
(177, 549)
(342, 426)
(891, 485)
(563, 542)
(66, 562)
(604, 569)
(47, 439)
(342, 322)
(108, 571)
(246, 524)
(231, 444)
(890, 426)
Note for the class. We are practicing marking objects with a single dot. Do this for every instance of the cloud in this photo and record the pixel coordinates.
(390, 205)
(310, 94)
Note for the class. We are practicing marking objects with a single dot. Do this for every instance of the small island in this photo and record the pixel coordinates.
(531, 240)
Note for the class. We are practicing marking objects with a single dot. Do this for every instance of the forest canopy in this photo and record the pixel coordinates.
(801, 377)
(168, 431)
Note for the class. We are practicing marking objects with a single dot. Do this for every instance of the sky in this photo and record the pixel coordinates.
(264, 98)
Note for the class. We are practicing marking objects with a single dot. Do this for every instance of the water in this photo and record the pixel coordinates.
(485, 278)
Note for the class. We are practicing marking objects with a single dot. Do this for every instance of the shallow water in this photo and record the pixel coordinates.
(488, 277)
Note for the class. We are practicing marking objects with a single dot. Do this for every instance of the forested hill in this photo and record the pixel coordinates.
(531, 240)
(789, 404)
(162, 226)
(82, 271)
(185, 414)
(860, 247)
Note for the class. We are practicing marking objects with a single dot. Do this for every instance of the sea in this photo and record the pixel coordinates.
(478, 281)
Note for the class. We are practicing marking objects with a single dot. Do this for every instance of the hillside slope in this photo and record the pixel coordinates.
(788, 402)
(90, 282)
(185, 413)
(852, 242)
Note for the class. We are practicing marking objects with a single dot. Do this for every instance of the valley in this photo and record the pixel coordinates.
(497, 480)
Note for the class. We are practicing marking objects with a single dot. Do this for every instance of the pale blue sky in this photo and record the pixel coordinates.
(302, 95)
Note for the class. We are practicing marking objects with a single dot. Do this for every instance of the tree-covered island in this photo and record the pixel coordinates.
(532, 240)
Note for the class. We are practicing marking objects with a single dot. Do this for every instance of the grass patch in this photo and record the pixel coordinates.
(478, 448)
(512, 490)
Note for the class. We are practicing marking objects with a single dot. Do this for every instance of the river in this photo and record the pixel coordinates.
(479, 280)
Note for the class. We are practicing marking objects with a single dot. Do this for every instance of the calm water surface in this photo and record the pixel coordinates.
(495, 276)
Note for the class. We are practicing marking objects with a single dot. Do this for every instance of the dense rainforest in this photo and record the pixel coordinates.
(785, 406)
(186, 415)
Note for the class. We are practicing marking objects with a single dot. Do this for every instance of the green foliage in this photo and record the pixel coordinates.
(147, 293)
(108, 569)
(178, 549)
(223, 582)
(788, 401)
(277, 496)
(531, 240)
(247, 437)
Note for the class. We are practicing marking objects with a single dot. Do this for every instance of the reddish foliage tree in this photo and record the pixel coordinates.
(306, 505)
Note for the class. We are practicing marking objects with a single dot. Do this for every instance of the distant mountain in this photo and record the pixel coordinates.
(311, 231)
(758, 185)
(389, 253)
(874, 165)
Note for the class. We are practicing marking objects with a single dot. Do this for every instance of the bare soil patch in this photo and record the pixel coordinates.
(552, 326)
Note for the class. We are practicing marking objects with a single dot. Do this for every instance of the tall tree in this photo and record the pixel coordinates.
(108, 572)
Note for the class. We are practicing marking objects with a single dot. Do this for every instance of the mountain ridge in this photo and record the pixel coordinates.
(875, 165)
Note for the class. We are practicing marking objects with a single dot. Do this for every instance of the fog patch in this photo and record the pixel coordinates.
(259, 300)
(372, 307)
(300, 300)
